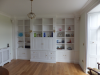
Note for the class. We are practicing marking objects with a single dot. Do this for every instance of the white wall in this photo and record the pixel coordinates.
(5, 32)
(82, 41)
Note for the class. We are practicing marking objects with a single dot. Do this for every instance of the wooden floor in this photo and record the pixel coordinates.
(24, 67)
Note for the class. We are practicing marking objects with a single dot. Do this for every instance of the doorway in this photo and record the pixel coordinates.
(93, 37)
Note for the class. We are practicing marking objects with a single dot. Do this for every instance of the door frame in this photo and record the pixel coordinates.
(86, 35)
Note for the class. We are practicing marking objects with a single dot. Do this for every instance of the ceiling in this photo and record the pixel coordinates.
(96, 9)
(41, 7)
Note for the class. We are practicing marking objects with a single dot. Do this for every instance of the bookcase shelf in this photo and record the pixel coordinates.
(23, 28)
(65, 32)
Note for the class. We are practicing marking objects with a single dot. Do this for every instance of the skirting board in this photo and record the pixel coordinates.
(68, 61)
(45, 61)
(23, 58)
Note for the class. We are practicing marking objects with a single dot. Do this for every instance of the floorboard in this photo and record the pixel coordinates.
(25, 67)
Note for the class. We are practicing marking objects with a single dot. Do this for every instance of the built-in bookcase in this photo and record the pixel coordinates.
(43, 27)
(65, 33)
(23, 33)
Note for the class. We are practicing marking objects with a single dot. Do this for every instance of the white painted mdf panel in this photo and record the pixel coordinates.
(65, 56)
(45, 44)
(93, 49)
(37, 44)
(93, 20)
(93, 34)
(93, 62)
(5, 55)
(42, 55)
(0, 57)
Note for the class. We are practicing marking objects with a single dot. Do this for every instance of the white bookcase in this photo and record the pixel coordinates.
(42, 37)
(64, 35)
(23, 33)
(49, 40)
(23, 39)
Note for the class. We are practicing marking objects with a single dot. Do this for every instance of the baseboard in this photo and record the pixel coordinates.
(45, 61)
(63, 60)
(23, 58)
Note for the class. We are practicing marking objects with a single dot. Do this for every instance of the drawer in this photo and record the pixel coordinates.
(23, 53)
(34, 52)
(51, 57)
(34, 56)
(51, 53)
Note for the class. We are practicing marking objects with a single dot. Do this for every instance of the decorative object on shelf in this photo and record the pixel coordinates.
(20, 41)
(34, 34)
(69, 48)
(31, 15)
(67, 35)
(57, 41)
(20, 46)
(8, 45)
(72, 35)
(20, 34)
(60, 34)
(37, 35)
(60, 29)
(44, 34)
(27, 46)
(30, 31)
(62, 41)
(62, 47)
(54, 29)
(52, 34)
(69, 41)
(69, 28)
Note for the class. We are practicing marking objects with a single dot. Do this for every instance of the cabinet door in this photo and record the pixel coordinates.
(42, 55)
(5, 55)
(47, 43)
(37, 44)
(0, 58)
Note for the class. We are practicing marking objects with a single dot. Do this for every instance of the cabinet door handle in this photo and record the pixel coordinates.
(65, 55)
(46, 55)
(33, 52)
(51, 53)
(23, 53)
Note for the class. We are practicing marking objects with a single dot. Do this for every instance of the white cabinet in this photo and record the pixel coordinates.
(37, 44)
(65, 56)
(23, 53)
(43, 56)
(4, 56)
(42, 44)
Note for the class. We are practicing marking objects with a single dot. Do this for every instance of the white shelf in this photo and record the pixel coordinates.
(27, 37)
(69, 43)
(37, 24)
(38, 31)
(27, 25)
(69, 30)
(48, 30)
(61, 49)
(20, 25)
(61, 31)
(60, 37)
(60, 43)
(60, 24)
(47, 24)
(69, 37)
